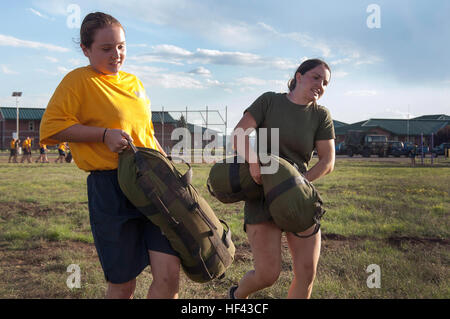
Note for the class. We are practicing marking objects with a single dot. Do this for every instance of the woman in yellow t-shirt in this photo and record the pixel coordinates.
(43, 154)
(13, 148)
(26, 148)
(97, 109)
(61, 152)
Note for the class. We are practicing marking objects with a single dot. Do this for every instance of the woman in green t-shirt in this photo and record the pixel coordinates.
(303, 126)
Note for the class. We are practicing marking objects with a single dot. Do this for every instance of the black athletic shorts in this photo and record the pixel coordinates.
(122, 234)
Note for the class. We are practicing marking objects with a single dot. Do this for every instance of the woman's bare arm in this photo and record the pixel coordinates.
(115, 139)
(241, 143)
(325, 165)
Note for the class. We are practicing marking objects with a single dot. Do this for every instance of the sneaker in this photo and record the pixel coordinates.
(231, 292)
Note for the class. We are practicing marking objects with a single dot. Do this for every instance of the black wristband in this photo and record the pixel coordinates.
(104, 133)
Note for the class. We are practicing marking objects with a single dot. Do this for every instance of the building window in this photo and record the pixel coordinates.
(31, 126)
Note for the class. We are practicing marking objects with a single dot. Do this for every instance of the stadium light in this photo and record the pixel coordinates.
(17, 95)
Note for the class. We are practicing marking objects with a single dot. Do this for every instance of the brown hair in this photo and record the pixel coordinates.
(93, 22)
(305, 67)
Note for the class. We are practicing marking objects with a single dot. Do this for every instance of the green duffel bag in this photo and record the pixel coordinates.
(153, 184)
(230, 181)
(293, 202)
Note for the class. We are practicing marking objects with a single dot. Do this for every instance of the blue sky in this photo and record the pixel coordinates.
(227, 53)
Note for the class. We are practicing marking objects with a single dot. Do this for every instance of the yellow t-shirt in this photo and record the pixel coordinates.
(62, 147)
(13, 144)
(89, 98)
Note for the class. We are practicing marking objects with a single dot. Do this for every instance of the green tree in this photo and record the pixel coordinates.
(182, 121)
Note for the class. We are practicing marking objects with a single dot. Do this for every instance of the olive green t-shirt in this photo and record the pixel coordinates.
(299, 125)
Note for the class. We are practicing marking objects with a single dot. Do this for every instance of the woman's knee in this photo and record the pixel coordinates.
(306, 270)
(166, 285)
(167, 280)
(121, 291)
(268, 277)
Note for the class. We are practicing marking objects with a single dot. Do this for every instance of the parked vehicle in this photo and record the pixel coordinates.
(340, 148)
(409, 147)
(397, 149)
(424, 149)
(441, 149)
(360, 142)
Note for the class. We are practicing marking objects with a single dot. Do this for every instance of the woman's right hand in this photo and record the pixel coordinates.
(255, 172)
(117, 140)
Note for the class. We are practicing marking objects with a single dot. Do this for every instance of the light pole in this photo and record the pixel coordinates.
(17, 95)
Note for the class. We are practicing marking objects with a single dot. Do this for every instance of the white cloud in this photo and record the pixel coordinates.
(6, 40)
(175, 55)
(251, 81)
(347, 52)
(158, 77)
(7, 70)
(77, 62)
(201, 71)
(54, 7)
(369, 60)
(62, 70)
(361, 93)
(39, 14)
(339, 74)
(171, 50)
(137, 45)
(45, 71)
(51, 59)
(304, 39)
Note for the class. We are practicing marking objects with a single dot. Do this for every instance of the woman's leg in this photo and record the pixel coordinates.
(166, 276)
(305, 254)
(121, 291)
(265, 242)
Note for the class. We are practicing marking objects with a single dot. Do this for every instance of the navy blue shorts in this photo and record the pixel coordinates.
(122, 234)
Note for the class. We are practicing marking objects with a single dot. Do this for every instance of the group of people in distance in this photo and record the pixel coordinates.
(63, 148)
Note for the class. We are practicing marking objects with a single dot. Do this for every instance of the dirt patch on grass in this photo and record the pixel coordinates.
(25, 271)
(9, 210)
(393, 240)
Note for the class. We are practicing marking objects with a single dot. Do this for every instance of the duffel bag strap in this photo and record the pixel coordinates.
(317, 216)
(283, 187)
(316, 229)
(234, 177)
(187, 177)
(208, 185)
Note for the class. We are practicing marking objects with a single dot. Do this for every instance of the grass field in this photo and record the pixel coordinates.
(378, 212)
